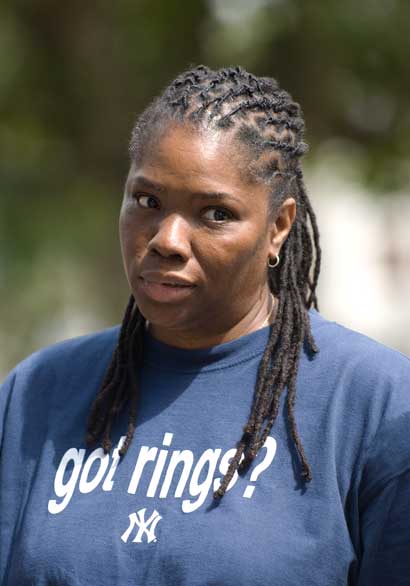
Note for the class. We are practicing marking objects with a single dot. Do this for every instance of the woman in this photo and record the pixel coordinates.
(206, 474)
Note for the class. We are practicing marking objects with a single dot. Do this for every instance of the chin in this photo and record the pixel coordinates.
(165, 316)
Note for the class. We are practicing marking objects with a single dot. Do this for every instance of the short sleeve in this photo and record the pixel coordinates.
(384, 502)
(6, 389)
(385, 528)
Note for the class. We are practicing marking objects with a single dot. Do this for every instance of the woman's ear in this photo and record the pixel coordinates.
(280, 227)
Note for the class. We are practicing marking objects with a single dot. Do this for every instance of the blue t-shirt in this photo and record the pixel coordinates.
(76, 517)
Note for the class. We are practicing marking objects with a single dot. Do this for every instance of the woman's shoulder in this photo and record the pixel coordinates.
(359, 374)
(342, 346)
(63, 376)
(365, 385)
(67, 356)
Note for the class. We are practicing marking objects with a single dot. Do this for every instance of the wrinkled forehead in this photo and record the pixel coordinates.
(188, 154)
(240, 148)
(194, 148)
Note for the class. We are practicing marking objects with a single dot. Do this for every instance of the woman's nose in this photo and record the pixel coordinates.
(171, 238)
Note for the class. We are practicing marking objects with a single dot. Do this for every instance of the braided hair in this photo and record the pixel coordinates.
(268, 126)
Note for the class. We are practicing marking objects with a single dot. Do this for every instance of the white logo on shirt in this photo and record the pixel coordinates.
(145, 527)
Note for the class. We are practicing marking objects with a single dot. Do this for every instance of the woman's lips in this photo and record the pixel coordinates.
(165, 291)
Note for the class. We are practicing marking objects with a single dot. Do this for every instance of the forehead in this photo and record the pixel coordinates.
(185, 155)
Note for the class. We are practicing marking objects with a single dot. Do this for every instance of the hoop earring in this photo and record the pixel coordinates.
(275, 264)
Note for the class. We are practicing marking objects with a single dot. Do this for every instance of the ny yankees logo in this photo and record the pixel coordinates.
(146, 527)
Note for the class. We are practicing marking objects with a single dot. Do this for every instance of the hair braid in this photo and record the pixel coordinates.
(116, 389)
(269, 127)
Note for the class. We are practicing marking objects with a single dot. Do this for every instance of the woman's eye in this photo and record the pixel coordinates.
(217, 215)
(147, 201)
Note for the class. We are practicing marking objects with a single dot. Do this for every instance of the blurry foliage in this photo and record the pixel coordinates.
(75, 75)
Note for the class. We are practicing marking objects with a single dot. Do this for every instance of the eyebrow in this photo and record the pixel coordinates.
(142, 181)
(216, 195)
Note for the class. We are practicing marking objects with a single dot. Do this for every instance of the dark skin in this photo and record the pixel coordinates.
(196, 237)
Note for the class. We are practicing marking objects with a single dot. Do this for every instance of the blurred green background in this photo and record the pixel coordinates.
(73, 77)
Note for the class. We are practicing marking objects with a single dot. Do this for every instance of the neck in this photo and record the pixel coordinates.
(256, 317)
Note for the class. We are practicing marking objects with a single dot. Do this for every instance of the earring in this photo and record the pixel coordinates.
(275, 264)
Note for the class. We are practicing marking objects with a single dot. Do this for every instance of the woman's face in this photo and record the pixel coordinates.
(196, 237)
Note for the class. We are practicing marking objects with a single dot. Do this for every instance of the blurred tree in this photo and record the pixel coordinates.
(73, 78)
(346, 62)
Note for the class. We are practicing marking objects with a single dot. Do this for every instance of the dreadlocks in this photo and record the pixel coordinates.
(268, 126)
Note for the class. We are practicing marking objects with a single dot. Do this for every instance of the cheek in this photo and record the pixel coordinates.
(125, 232)
(132, 240)
(238, 258)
